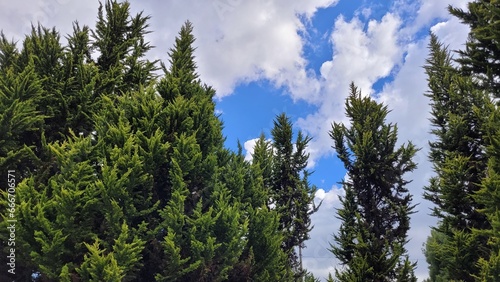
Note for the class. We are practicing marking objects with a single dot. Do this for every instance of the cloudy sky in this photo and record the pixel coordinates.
(266, 57)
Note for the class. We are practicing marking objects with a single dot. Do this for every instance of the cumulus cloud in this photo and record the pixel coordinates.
(249, 146)
(359, 55)
(17, 17)
(244, 41)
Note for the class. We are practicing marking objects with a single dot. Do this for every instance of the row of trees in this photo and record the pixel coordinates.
(122, 173)
(121, 169)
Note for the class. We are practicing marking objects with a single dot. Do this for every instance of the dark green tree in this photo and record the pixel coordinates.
(263, 258)
(459, 112)
(291, 193)
(480, 57)
(20, 120)
(376, 207)
(119, 39)
(263, 157)
(489, 196)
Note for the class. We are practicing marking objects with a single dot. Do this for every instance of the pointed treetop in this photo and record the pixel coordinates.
(181, 56)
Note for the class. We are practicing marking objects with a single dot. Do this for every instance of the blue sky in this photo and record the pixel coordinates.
(265, 57)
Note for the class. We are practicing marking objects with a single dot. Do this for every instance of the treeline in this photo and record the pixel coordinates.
(122, 175)
(120, 169)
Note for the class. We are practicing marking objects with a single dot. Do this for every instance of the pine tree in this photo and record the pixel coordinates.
(458, 115)
(377, 205)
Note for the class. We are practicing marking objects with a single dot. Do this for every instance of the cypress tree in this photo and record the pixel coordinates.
(210, 227)
(20, 120)
(263, 258)
(480, 57)
(458, 115)
(488, 196)
(376, 206)
(119, 39)
(291, 193)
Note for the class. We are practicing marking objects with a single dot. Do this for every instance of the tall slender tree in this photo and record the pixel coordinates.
(207, 234)
(459, 112)
(291, 193)
(376, 208)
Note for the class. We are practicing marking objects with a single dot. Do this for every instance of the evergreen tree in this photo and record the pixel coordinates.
(80, 78)
(119, 39)
(123, 177)
(208, 234)
(480, 57)
(263, 157)
(458, 115)
(43, 50)
(263, 258)
(489, 196)
(376, 207)
(20, 120)
(80, 205)
(291, 192)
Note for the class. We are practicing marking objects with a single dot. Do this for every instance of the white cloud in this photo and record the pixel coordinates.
(430, 10)
(244, 41)
(358, 55)
(452, 33)
(249, 146)
(16, 17)
(316, 256)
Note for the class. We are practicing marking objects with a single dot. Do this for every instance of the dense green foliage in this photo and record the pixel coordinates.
(482, 50)
(290, 190)
(464, 115)
(122, 173)
(376, 207)
(458, 116)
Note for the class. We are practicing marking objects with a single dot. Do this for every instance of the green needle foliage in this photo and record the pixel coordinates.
(376, 208)
(123, 175)
(480, 57)
(489, 196)
(459, 114)
(290, 192)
